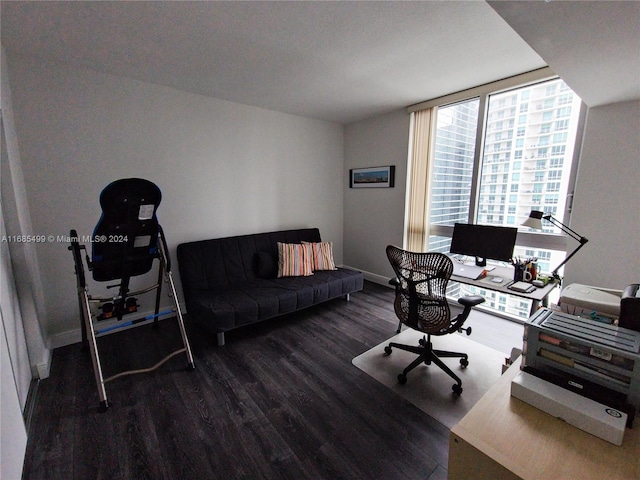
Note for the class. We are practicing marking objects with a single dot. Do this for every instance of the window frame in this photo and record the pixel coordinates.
(538, 240)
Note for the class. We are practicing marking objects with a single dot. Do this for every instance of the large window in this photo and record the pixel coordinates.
(499, 155)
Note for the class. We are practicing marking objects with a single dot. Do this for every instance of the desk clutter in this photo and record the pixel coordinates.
(526, 277)
(525, 270)
(579, 356)
(522, 287)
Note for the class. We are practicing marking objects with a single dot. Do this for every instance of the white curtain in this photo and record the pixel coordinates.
(417, 225)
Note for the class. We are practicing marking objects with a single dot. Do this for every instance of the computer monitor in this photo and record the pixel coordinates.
(483, 242)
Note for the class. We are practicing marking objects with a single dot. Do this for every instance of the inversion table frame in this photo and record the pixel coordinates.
(87, 321)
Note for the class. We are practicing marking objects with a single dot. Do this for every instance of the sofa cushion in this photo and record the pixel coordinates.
(266, 265)
(322, 255)
(294, 260)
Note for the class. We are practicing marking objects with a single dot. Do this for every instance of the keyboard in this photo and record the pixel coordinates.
(472, 272)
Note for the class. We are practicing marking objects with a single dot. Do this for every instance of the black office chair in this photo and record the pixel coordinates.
(421, 303)
(125, 243)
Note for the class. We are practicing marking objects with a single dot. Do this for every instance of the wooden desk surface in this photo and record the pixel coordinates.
(536, 446)
(506, 273)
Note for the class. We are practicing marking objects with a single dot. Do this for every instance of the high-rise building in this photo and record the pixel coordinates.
(525, 164)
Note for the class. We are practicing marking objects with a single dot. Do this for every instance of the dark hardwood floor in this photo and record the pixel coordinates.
(280, 401)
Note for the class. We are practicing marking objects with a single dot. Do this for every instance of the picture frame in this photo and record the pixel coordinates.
(372, 177)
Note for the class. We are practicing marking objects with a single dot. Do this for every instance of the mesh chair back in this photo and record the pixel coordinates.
(421, 301)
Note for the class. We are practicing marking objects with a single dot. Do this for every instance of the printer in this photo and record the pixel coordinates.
(605, 305)
(630, 308)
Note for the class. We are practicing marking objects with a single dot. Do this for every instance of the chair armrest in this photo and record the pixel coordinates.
(468, 302)
(471, 300)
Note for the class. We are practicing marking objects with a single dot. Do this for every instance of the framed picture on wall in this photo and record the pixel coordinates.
(372, 177)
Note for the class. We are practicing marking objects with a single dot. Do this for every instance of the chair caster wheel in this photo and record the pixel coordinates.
(402, 379)
(464, 362)
(457, 389)
(467, 330)
(387, 350)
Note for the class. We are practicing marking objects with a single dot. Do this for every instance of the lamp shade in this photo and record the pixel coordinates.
(534, 220)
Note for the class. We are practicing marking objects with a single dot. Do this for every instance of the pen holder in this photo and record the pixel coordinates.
(518, 273)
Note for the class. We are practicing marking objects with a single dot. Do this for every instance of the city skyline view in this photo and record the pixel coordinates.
(524, 164)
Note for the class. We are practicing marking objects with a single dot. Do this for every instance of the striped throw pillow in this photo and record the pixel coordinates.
(294, 260)
(322, 255)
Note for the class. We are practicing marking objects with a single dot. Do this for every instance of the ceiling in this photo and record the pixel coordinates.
(593, 45)
(337, 61)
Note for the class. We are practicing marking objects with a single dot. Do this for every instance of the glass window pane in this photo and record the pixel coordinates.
(452, 170)
(528, 148)
(439, 243)
(550, 103)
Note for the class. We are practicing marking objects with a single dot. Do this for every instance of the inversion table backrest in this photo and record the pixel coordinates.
(126, 237)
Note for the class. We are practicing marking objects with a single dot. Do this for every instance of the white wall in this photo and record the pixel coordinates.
(13, 434)
(12, 322)
(223, 168)
(374, 217)
(607, 201)
(17, 219)
(20, 335)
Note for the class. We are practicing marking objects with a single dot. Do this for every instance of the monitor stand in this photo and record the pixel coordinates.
(481, 262)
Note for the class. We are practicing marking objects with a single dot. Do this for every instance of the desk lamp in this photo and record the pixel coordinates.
(535, 221)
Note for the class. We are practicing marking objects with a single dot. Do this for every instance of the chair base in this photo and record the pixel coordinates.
(428, 355)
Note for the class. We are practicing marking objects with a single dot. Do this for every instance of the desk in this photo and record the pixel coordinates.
(503, 438)
(538, 296)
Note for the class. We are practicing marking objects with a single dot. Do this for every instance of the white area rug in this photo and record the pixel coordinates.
(428, 387)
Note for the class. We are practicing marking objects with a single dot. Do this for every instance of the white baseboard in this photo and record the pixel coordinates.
(65, 338)
(41, 369)
(70, 337)
(372, 277)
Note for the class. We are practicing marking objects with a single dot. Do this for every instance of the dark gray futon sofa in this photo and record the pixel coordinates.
(231, 282)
